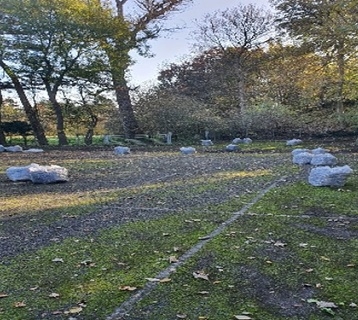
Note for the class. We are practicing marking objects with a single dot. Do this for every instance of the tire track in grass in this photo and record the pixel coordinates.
(128, 305)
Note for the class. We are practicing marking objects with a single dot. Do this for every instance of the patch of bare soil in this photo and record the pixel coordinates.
(336, 226)
(281, 300)
(26, 231)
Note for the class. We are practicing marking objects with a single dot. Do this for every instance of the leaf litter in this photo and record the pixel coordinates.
(151, 175)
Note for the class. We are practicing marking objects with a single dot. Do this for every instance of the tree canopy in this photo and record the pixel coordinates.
(289, 67)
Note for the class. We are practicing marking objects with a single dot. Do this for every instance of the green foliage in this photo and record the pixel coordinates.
(162, 111)
(329, 28)
(268, 120)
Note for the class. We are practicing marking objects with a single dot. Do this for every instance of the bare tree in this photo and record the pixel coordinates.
(235, 32)
(2, 135)
(145, 25)
(29, 110)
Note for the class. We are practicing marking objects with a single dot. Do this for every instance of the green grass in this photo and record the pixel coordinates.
(261, 253)
(94, 269)
(301, 198)
(282, 247)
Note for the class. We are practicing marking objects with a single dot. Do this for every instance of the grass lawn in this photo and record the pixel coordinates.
(79, 250)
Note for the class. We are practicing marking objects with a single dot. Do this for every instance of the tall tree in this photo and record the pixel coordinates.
(2, 135)
(47, 41)
(30, 111)
(145, 25)
(235, 32)
(329, 27)
(290, 76)
(211, 79)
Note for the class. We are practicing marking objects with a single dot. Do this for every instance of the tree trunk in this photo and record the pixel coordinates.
(25, 140)
(89, 137)
(129, 122)
(60, 127)
(61, 135)
(241, 94)
(90, 130)
(341, 74)
(240, 76)
(31, 114)
(2, 135)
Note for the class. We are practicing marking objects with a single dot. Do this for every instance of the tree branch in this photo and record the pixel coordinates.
(154, 11)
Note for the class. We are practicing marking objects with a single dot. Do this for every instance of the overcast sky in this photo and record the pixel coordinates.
(176, 46)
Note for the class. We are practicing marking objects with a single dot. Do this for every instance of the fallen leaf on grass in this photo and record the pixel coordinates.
(19, 304)
(201, 275)
(34, 288)
(303, 245)
(87, 262)
(57, 312)
(242, 317)
(351, 265)
(75, 310)
(53, 295)
(323, 304)
(3, 295)
(57, 260)
(203, 292)
(279, 244)
(204, 238)
(353, 305)
(127, 288)
(325, 258)
(173, 259)
(152, 279)
(181, 316)
(164, 280)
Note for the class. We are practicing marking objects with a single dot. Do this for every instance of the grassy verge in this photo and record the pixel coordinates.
(273, 263)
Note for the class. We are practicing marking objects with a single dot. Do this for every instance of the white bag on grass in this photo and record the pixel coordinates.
(302, 158)
(20, 173)
(187, 150)
(293, 142)
(323, 159)
(327, 176)
(297, 151)
(122, 150)
(48, 174)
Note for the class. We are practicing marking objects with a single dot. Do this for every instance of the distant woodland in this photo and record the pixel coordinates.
(287, 71)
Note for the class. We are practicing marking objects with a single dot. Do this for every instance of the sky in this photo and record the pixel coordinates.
(176, 46)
